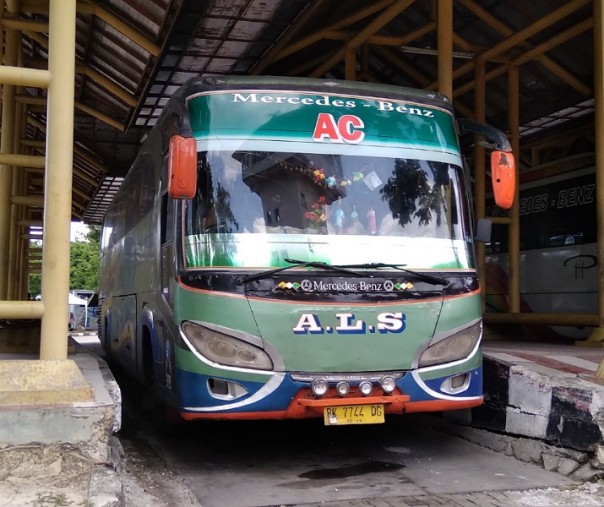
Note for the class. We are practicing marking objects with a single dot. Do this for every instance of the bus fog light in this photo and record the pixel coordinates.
(456, 384)
(319, 387)
(225, 389)
(388, 384)
(342, 388)
(365, 388)
(458, 381)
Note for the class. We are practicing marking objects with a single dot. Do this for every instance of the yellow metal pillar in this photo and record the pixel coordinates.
(58, 181)
(514, 229)
(479, 172)
(445, 48)
(597, 335)
(16, 211)
(350, 64)
(6, 171)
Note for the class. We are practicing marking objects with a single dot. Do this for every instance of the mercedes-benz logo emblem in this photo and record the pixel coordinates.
(388, 285)
(306, 285)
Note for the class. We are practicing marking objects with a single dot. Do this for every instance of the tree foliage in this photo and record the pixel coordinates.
(84, 264)
(411, 196)
(35, 284)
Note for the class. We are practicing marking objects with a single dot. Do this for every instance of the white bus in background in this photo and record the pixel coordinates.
(558, 251)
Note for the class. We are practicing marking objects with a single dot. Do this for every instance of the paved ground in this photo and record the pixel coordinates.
(47, 478)
(584, 496)
(56, 475)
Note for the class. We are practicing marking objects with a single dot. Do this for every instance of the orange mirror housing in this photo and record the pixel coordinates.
(182, 167)
(503, 176)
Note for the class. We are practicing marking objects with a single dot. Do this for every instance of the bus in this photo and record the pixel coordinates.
(558, 246)
(287, 248)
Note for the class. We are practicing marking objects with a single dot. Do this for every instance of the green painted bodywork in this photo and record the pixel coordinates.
(257, 115)
(274, 320)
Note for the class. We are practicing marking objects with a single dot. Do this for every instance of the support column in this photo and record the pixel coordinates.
(597, 335)
(58, 180)
(16, 211)
(480, 172)
(514, 229)
(350, 64)
(445, 48)
(6, 171)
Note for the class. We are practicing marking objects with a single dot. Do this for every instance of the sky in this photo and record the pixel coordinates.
(78, 229)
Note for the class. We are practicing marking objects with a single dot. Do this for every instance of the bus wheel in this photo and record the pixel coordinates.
(106, 343)
(164, 417)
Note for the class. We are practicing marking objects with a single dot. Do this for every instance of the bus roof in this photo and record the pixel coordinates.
(214, 83)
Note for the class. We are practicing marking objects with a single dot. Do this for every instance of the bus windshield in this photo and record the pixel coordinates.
(258, 208)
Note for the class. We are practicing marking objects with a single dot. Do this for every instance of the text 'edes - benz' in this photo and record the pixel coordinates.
(292, 248)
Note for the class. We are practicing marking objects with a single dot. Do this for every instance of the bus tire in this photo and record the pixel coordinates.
(165, 418)
(106, 343)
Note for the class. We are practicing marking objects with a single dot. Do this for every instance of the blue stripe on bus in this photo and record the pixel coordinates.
(194, 392)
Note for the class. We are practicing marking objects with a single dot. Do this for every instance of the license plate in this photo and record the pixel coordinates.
(353, 414)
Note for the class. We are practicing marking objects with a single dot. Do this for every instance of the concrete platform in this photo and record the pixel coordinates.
(57, 441)
(75, 402)
(544, 391)
(544, 403)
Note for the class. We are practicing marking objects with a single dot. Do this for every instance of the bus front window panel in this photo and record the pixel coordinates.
(287, 199)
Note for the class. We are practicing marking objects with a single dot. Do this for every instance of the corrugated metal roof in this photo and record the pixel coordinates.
(133, 54)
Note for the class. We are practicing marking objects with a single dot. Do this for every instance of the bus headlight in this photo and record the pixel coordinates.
(226, 350)
(388, 384)
(319, 387)
(454, 347)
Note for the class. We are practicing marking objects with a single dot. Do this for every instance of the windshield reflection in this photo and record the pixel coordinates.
(280, 192)
(244, 192)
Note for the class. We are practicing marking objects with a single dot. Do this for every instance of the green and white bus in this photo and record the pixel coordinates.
(293, 248)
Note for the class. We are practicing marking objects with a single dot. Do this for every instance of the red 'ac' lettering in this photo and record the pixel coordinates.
(346, 130)
(348, 126)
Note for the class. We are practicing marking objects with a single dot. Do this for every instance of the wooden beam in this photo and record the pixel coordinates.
(555, 41)
(496, 72)
(379, 22)
(396, 60)
(384, 40)
(421, 80)
(306, 66)
(445, 48)
(319, 35)
(350, 64)
(92, 7)
(301, 20)
(519, 37)
(375, 25)
(506, 31)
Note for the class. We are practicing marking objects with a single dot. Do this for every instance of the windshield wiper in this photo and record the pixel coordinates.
(297, 262)
(425, 277)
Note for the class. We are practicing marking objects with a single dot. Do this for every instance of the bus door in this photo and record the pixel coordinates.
(163, 348)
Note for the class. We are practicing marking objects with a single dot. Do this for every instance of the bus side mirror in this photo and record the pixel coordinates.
(182, 167)
(503, 176)
(483, 230)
